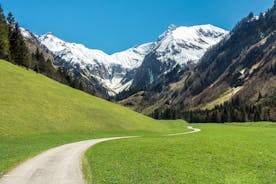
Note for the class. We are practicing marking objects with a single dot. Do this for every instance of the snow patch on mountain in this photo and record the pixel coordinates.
(134, 57)
(185, 44)
(178, 44)
(109, 70)
(25, 33)
(78, 53)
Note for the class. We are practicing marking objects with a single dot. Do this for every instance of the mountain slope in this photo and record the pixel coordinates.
(243, 63)
(242, 66)
(112, 74)
(177, 46)
(107, 70)
(38, 113)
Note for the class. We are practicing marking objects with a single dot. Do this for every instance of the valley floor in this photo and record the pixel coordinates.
(221, 153)
(17, 149)
(57, 165)
(60, 164)
(38, 114)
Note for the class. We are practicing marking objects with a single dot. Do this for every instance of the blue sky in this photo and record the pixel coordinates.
(115, 25)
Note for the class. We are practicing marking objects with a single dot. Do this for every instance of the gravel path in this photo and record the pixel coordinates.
(60, 165)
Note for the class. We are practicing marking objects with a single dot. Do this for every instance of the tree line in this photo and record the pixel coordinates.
(233, 111)
(14, 49)
(12, 45)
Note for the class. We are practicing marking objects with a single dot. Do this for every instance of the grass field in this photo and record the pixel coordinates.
(37, 113)
(221, 153)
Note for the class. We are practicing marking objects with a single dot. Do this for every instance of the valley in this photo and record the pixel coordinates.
(188, 72)
(154, 156)
(122, 71)
(196, 104)
(46, 114)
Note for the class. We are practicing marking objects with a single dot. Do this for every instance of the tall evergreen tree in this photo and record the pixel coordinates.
(4, 37)
(11, 23)
(11, 19)
(19, 50)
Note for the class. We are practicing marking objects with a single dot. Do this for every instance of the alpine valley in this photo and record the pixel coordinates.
(108, 75)
(195, 105)
(196, 73)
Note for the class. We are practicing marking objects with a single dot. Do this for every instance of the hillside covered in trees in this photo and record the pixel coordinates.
(17, 50)
(234, 81)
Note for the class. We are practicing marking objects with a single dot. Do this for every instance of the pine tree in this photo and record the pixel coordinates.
(260, 96)
(250, 16)
(11, 24)
(19, 50)
(11, 21)
(4, 37)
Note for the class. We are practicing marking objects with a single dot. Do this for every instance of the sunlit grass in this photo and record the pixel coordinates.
(221, 153)
(37, 113)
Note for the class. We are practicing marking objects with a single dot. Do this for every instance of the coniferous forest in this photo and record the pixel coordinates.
(12, 45)
(233, 111)
(13, 48)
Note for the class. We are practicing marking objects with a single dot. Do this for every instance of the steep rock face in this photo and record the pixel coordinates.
(177, 46)
(33, 43)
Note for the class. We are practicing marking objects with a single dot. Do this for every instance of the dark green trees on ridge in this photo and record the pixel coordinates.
(4, 36)
(12, 45)
(14, 49)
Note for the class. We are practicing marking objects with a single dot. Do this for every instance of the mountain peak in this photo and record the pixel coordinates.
(172, 27)
(50, 34)
(183, 44)
(177, 44)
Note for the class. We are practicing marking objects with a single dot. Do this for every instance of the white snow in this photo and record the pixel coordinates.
(133, 57)
(184, 44)
(116, 86)
(179, 44)
(242, 72)
(77, 53)
(25, 33)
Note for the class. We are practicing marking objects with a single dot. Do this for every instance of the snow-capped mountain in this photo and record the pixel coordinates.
(141, 64)
(177, 46)
(184, 44)
(109, 70)
(79, 54)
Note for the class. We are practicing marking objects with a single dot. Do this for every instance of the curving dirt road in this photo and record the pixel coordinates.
(60, 165)
(194, 130)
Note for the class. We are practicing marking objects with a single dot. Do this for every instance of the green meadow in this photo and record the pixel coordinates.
(38, 113)
(220, 153)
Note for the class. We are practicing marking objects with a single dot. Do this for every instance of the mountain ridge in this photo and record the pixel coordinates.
(233, 81)
(115, 73)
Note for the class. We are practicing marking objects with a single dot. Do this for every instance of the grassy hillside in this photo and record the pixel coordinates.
(229, 153)
(37, 113)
